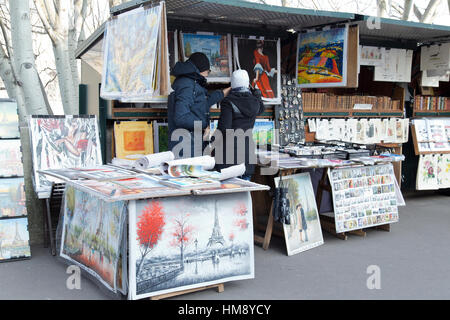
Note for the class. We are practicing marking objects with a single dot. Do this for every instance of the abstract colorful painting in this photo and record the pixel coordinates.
(92, 233)
(14, 239)
(12, 198)
(130, 63)
(63, 142)
(304, 232)
(218, 50)
(133, 137)
(187, 242)
(9, 120)
(261, 59)
(322, 58)
(11, 158)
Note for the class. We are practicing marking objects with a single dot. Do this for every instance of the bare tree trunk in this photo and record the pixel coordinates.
(430, 11)
(24, 60)
(382, 8)
(408, 8)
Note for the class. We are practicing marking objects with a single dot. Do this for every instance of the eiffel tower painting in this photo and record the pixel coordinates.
(216, 236)
(17, 239)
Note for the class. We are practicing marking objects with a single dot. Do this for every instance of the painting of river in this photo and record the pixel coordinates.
(187, 242)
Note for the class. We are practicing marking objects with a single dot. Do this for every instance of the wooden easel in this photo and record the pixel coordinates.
(220, 288)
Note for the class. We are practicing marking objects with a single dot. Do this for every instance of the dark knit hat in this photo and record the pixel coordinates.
(200, 60)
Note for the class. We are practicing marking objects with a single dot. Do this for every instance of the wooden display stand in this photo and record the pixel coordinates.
(416, 145)
(220, 288)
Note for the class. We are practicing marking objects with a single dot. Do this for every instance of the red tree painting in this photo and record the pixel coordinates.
(149, 229)
(240, 211)
(182, 235)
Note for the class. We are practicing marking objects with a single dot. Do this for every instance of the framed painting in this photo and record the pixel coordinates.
(181, 243)
(11, 158)
(59, 142)
(14, 239)
(322, 58)
(92, 233)
(12, 198)
(216, 47)
(9, 119)
(304, 232)
(133, 138)
(160, 137)
(261, 59)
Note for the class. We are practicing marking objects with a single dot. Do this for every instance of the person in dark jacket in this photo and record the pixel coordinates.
(238, 111)
(190, 102)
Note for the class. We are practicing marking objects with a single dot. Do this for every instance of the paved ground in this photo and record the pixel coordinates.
(414, 259)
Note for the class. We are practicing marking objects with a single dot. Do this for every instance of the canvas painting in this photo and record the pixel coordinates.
(12, 198)
(363, 197)
(160, 137)
(9, 120)
(304, 232)
(188, 242)
(130, 62)
(263, 132)
(261, 59)
(60, 142)
(140, 186)
(14, 239)
(92, 232)
(10, 158)
(216, 47)
(133, 137)
(322, 58)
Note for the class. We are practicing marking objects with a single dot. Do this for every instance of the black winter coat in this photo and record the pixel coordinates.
(242, 116)
(189, 101)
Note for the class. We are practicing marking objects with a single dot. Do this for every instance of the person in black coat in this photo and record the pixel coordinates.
(190, 101)
(238, 111)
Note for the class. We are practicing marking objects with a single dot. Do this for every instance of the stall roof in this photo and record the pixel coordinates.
(233, 16)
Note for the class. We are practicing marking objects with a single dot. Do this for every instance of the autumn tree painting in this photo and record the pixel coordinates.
(182, 235)
(149, 229)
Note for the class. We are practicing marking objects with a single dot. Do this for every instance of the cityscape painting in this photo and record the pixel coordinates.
(187, 242)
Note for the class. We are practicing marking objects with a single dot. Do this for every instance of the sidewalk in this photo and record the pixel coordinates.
(414, 259)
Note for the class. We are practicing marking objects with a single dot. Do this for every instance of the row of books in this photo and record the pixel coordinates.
(431, 103)
(321, 101)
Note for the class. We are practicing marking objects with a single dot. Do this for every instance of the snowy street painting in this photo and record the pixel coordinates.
(187, 242)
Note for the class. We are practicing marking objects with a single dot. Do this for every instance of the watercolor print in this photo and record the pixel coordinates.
(60, 142)
(188, 242)
(427, 173)
(14, 239)
(261, 59)
(322, 58)
(216, 47)
(10, 158)
(133, 138)
(9, 120)
(92, 232)
(12, 198)
(304, 232)
(129, 62)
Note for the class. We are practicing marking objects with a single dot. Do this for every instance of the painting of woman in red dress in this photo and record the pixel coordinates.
(262, 71)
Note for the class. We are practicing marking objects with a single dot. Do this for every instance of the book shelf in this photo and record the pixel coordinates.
(431, 106)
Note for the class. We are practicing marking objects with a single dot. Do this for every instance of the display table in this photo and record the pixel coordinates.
(263, 201)
(175, 244)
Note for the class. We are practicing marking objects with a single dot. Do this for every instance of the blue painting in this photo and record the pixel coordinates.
(9, 120)
(215, 47)
(14, 239)
(12, 198)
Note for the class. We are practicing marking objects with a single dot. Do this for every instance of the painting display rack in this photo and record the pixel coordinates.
(263, 200)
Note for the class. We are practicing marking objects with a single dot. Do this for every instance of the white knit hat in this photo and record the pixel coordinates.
(239, 79)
